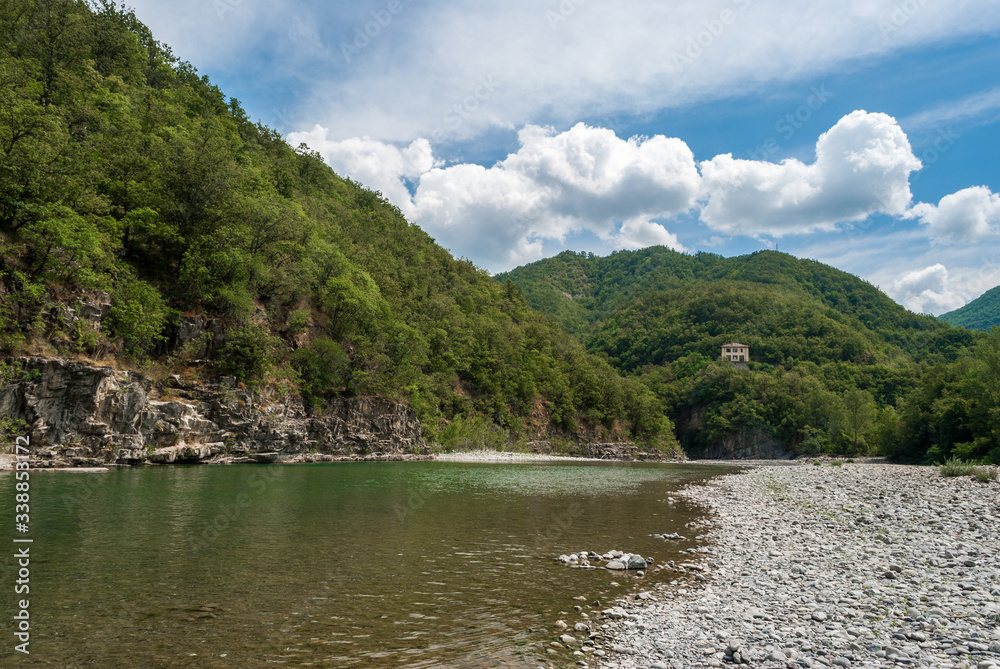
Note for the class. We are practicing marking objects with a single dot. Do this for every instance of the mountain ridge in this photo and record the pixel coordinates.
(834, 363)
(982, 313)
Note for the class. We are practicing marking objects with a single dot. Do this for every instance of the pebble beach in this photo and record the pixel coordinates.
(858, 565)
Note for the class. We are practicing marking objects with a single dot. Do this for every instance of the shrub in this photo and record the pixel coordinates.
(957, 467)
(835, 463)
(985, 474)
(322, 368)
(137, 316)
(247, 353)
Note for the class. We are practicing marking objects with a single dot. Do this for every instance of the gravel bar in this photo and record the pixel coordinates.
(860, 565)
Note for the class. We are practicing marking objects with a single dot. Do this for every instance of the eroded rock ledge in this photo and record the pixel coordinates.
(85, 415)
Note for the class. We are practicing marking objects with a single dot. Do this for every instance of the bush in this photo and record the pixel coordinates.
(836, 463)
(957, 467)
(322, 368)
(469, 433)
(137, 316)
(985, 474)
(247, 353)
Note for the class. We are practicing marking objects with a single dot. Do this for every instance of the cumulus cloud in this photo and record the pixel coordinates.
(862, 167)
(378, 165)
(969, 216)
(583, 180)
(638, 233)
(926, 290)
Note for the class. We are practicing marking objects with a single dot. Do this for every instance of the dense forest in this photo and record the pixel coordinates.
(836, 366)
(983, 313)
(122, 170)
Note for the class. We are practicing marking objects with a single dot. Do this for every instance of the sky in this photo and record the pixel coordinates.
(860, 133)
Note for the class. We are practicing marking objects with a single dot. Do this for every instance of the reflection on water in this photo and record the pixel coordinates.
(334, 565)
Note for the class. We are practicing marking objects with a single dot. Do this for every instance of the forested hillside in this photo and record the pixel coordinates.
(122, 170)
(836, 366)
(983, 313)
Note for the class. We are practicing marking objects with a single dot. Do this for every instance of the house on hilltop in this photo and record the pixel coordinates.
(737, 353)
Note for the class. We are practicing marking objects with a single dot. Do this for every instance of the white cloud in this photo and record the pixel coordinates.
(584, 180)
(633, 56)
(926, 290)
(984, 105)
(862, 166)
(638, 233)
(378, 165)
(969, 216)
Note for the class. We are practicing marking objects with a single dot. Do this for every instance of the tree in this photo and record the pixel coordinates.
(859, 413)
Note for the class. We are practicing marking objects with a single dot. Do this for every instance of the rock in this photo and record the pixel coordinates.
(561, 625)
(624, 650)
(118, 417)
(568, 639)
(635, 562)
(615, 565)
(776, 656)
(581, 627)
(841, 662)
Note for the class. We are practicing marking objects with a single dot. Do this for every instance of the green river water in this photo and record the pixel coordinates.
(418, 565)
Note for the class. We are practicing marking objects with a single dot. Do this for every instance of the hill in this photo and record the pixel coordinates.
(983, 313)
(133, 188)
(833, 360)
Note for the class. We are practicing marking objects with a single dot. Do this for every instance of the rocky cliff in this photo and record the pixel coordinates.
(84, 415)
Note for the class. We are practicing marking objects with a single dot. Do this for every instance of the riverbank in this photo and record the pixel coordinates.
(860, 565)
(511, 456)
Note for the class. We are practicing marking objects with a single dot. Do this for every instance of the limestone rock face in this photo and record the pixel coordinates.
(97, 415)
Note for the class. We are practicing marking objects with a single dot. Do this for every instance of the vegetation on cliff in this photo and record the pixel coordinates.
(836, 365)
(122, 170)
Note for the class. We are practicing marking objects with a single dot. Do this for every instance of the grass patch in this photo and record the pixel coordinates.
(835, 463)
(985, 474)
(956, 467)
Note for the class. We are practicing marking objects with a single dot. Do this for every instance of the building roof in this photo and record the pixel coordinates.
(735, 344)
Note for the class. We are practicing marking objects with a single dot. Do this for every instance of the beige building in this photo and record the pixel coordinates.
(736, 352)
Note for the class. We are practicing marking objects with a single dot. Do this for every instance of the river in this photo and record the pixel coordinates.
(410, 564)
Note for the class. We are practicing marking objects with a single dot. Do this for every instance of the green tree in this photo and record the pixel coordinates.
(859, 413)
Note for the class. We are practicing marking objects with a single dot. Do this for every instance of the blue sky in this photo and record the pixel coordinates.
(860, 134)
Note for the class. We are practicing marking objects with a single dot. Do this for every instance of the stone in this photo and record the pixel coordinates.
(118, 417)
(615, 565)
(635, 562)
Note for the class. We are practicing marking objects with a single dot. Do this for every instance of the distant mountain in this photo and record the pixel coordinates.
(828, 351)
(982, 313)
